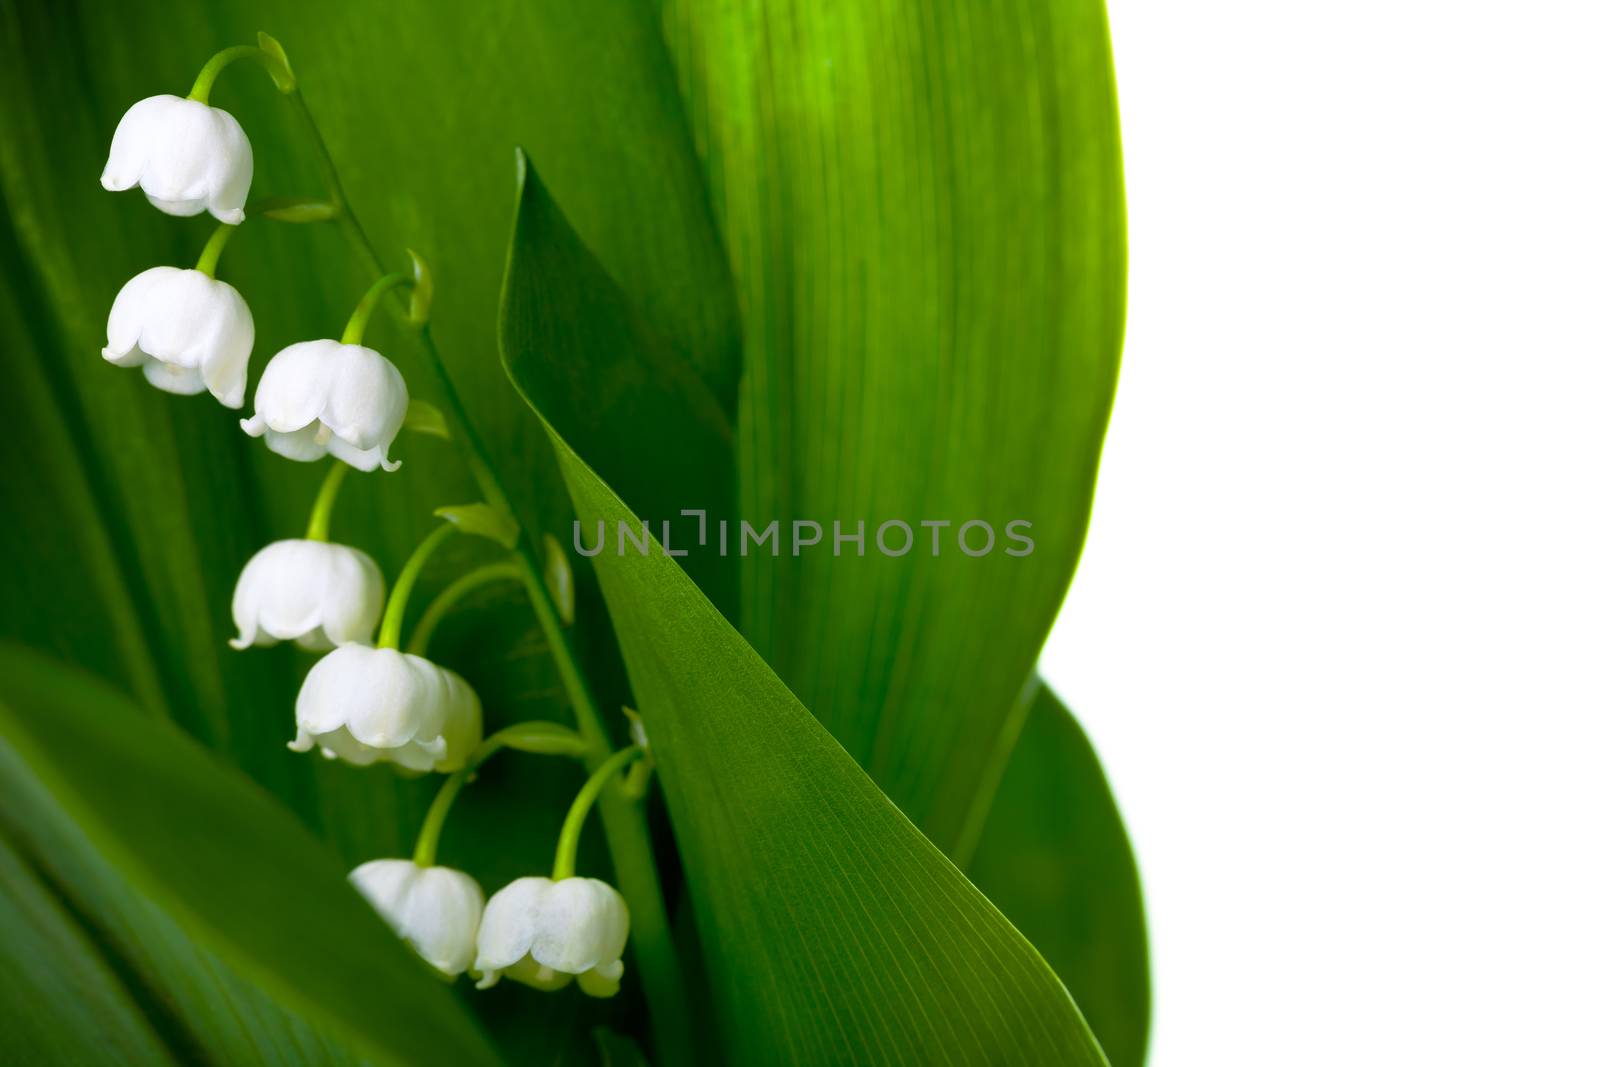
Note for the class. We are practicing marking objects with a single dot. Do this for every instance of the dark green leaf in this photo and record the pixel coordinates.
(60, 1001)
(627, 396)
(1053, 856)
(834, 931)
(234, 871)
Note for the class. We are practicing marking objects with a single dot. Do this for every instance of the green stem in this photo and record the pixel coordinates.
(452, 595)
(555, 741)
(566, 863)
(322, 510)
(217, 64)
(394, 613)
(624, 821)
(356, 328)
(212, 252)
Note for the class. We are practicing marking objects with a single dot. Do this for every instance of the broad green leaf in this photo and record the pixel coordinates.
(202, 1007)
(833, 930)
(626, 395)
(1053, 855)
(60, 1001)
(234, 871)
(922, 204)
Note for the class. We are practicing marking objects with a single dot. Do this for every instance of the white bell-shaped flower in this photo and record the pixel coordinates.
(316, 594)
(317, 397)
(364, 705)
(188, 157)
(187, 330)
(436, 910)
(544, 933)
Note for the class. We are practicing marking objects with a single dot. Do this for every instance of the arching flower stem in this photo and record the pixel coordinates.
(356, 328)
(207, 264)
(394, 613)
(547, 738)
(322, 510)
(566, 862)
(452, 595)
(269, 54)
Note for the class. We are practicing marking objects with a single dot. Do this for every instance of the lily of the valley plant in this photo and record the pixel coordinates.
(367, 700)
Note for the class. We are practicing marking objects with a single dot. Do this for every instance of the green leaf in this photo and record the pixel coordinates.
(60, 1001)
(234, 871)
(1055, 858)
(621, 390)
(483, 520)
(423, 417)
(834, 931)
(545, 738)
(922, 204)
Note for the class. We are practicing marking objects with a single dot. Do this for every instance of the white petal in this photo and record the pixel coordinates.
(463, 721)
(354, 601)
(231, 169)
(507, 930)
(312, 592)
(174, 378)
(385, 883)
(200, 329)
(367, 400)
(185, 155)
(580, 923)
(128, 313)
(362, 459)
(441, 918)
(397, 706)
(226, 359)
(574, 925)
(304, 444)
(436, 909)
(133, 141)
(294, 388)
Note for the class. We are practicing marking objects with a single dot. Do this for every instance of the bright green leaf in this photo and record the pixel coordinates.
(236, 872)
(833, 930)
(922, 204)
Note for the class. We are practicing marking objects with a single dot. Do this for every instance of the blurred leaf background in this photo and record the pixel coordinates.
(779, 261)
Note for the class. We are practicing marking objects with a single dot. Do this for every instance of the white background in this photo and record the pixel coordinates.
(1337, 629)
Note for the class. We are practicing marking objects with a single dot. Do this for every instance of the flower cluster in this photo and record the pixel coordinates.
(365, 701)
(536, 931)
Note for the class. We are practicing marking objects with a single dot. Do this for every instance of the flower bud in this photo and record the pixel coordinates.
(188, 331)
(434, 909)
(188, 157)
(544, 933)
(365, 705)
(317, 397)
(316, 594)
